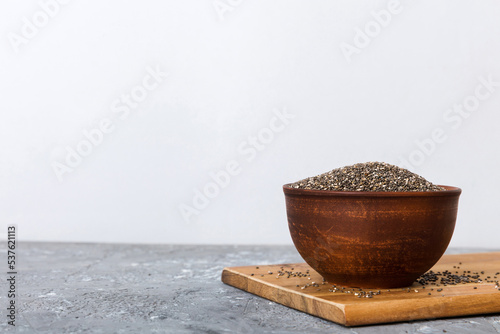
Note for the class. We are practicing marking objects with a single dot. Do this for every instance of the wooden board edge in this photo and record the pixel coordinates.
(421, 309)
(304, 303)
(460, 256)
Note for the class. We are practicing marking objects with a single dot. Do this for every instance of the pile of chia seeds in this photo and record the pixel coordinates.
(368, 176)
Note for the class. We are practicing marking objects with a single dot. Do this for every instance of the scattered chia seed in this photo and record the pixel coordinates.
(368, 176)
(428, 280)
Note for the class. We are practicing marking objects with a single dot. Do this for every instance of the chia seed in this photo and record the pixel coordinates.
(368, 176)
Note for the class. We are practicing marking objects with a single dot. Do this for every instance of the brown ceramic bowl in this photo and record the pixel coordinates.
(371, 239)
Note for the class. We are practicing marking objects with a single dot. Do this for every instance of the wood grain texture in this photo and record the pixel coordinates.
(389, 306)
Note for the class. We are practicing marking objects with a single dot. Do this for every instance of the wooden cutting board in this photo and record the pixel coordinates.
(394, 305)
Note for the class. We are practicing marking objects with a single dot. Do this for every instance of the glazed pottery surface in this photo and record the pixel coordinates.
(371, 239)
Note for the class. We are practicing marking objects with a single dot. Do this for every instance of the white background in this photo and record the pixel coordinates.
(227, 71)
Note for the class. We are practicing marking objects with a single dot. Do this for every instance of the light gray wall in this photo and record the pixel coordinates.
(359, 80)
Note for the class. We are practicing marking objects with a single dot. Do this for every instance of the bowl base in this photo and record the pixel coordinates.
(370, 281)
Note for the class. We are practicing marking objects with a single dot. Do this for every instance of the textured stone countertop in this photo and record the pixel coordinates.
(106, 288)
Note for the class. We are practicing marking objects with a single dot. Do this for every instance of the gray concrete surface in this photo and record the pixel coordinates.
(102, 288)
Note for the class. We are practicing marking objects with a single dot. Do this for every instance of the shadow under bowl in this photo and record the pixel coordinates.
(371, 239)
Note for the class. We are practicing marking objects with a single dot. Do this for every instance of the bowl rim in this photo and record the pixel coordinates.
(450, 191)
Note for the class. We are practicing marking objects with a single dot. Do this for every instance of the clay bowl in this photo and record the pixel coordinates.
(371, 239)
